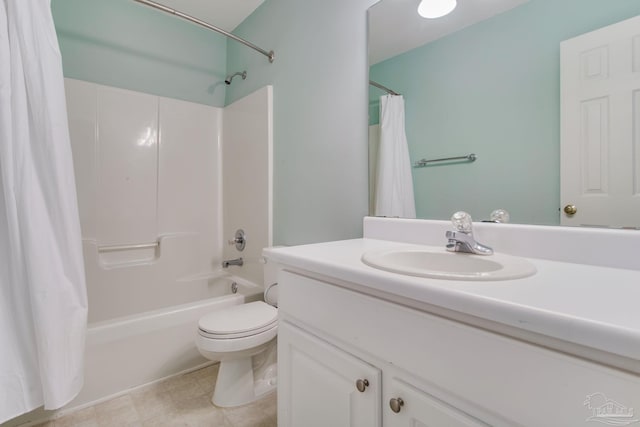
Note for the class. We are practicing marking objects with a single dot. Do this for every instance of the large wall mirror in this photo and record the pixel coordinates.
(485, 79)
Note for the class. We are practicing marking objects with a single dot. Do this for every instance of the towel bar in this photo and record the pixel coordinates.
(424, 162)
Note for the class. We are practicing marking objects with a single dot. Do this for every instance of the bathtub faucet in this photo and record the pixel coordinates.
(227, 263)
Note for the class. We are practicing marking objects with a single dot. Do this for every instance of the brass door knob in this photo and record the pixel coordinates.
(570, 209)
(362, 385)
(396, 404)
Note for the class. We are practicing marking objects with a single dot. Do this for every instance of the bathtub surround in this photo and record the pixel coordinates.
(155, 164)
(148, 172)
(43, 303)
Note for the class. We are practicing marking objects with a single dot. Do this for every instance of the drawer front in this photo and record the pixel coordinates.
(514, 381)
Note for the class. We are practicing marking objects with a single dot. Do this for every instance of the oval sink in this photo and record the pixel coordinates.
(449, 265)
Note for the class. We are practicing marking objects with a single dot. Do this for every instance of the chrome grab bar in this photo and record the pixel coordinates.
(115, 248)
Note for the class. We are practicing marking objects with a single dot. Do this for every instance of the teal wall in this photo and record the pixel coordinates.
(124, 44)
(320, 91)
(320, 112)
(492, 89)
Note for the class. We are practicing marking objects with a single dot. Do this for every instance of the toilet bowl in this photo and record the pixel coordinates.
(243, 339)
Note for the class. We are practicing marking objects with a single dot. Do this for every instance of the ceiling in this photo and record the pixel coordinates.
(226, 14)
(396, 27)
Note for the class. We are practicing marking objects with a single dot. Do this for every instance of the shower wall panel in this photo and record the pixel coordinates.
(189, 179)
(127, 167)
(147, 170)
(247, 178)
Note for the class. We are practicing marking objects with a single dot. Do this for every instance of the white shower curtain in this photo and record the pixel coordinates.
(43, 302)
(394, 183)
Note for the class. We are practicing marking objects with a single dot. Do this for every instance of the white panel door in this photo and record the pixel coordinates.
(317, 384)
(407, 406)
(600, 130)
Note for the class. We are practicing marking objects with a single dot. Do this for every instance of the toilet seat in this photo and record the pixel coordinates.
(227, 346)
(238, 321)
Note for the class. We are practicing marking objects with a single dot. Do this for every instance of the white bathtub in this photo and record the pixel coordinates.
(126, 352)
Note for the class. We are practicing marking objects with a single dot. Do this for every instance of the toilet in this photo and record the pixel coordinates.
(243, 338)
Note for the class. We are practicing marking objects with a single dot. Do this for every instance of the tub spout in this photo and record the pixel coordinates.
(237, 261)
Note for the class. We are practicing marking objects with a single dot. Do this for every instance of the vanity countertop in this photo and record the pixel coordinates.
(592, 307)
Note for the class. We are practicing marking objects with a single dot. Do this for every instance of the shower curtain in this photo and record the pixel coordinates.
(394, 183)
(43, 302)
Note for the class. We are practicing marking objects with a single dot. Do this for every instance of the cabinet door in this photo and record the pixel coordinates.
(417, 408)
(317, 384)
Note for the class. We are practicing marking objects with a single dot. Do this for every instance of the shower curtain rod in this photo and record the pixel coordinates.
(384, 88)
(179, 14)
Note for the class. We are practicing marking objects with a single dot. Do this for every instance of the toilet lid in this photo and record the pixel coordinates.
(239, 319)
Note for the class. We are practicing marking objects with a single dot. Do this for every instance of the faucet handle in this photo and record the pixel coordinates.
(239, 240)
(499, 215)
(462, 221)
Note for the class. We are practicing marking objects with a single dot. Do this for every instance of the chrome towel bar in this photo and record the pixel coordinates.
(424, 162)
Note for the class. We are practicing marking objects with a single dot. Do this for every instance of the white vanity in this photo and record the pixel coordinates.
(359, 346)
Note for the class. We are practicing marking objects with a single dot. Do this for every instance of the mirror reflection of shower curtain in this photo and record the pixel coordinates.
(43, 300)
(394, 183)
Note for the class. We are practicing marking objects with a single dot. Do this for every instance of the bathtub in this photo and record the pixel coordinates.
(126, 352)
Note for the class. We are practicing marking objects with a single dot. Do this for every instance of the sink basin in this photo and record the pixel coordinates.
(449, 265)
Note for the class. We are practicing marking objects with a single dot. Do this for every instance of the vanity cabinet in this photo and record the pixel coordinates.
(422, 369)
(330, 387)
(408, 406)
(325, 386)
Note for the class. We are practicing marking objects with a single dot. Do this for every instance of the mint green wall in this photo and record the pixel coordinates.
(124, 44)
(493, 89)
(320, 112)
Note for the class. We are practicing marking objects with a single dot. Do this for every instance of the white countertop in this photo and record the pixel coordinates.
(592, 306)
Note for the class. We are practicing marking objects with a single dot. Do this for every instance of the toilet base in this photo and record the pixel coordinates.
(244, 380)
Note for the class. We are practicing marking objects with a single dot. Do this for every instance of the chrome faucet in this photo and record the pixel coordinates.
(237, 261)
(461, 240)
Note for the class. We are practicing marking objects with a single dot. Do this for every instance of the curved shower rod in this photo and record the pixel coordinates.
(384, 88)
(195, 20)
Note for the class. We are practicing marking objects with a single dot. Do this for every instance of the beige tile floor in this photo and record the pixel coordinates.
(184, 400)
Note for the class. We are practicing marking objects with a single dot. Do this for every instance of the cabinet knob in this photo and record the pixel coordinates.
(362, 385)
(396, 404)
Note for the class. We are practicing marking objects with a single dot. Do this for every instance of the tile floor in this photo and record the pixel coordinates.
(184, 400)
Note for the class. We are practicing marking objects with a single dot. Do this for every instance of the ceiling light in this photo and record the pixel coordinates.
(436, 8)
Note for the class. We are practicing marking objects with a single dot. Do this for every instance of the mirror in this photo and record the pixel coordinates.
(484, 79)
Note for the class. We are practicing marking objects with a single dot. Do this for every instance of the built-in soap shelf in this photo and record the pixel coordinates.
(117, 256)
